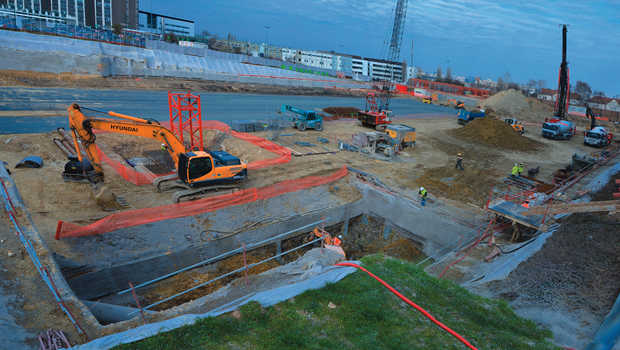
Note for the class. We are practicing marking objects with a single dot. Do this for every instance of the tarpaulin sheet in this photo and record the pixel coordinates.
(139, 178)
(315, 278)
(173, 211)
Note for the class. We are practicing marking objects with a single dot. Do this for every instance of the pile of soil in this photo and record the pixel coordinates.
(578, 267)
(494, 132)
(471, 185)
(512, 103)
(341, 111)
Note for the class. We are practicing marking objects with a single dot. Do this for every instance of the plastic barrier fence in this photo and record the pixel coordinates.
(138, 178)
(137, 217)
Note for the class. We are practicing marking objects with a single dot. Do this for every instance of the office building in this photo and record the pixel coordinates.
(125, 13)
(89, 13)
(162, 24)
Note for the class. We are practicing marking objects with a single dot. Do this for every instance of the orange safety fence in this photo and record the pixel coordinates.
(127, 172)
(139, 178)
(137, 217)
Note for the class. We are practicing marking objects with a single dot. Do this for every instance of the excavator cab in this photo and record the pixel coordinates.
(198, 168)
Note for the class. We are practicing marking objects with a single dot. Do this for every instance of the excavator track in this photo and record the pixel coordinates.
(196, 193)
(169, 182)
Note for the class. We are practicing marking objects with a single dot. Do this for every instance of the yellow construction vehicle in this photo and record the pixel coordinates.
(515, 125)
(401, 135)
(197, 171)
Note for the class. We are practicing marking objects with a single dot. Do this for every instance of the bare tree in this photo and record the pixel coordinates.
(449, 75)
(439, 76)
(500, 84)
(419, 72)
(541, 84)
(584, 90)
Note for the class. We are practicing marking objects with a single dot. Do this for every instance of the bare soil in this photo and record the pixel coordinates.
(40, 79)
(513, 104)
(496, 133)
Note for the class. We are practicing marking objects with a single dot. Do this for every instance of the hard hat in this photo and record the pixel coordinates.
(340, 236)
(520, 164)
(421, 188)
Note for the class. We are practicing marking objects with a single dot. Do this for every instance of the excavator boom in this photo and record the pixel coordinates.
(194, 168)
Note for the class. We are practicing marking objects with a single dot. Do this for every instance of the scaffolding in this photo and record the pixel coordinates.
(186, 118)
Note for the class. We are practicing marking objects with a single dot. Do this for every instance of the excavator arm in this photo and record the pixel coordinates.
(194, 168)
(82, 129)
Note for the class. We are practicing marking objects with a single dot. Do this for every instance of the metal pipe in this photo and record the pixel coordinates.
(219, 257)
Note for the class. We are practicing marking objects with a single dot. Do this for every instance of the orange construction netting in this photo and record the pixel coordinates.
(139, 178)
(173, 211)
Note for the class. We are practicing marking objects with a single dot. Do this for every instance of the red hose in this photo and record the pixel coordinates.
(405, 299)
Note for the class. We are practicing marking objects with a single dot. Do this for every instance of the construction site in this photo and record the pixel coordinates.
(497, 215)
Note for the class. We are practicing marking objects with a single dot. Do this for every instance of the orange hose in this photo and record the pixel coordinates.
(405, 299)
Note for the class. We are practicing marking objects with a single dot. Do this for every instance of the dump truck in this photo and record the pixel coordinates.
(464, 116)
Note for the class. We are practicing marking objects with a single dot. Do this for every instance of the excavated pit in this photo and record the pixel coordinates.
(362, 235)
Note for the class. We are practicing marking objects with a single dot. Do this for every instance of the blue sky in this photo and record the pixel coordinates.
(485, 38)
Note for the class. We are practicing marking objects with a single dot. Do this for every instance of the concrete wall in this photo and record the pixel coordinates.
(44, 53)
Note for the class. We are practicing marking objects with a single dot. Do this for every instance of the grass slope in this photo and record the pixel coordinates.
(366, 316)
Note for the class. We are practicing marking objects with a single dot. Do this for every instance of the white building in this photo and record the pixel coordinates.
(411, 73)
(380, 70)
(161, 24)
(308, 58)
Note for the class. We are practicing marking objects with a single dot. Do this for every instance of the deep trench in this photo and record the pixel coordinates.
(365, 234)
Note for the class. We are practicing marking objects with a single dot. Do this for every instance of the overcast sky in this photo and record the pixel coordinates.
(484, 38)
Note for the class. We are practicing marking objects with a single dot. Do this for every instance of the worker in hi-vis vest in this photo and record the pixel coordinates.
(423, 193)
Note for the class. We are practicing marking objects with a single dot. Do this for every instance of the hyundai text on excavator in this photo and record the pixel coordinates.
(196, 171)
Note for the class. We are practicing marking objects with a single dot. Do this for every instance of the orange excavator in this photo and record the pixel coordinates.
(196, 171)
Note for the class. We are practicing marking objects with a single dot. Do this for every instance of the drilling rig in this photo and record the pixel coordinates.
(561, 104)
(558, 127)
(376, 112)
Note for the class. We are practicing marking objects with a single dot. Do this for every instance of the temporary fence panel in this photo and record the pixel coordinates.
(137, 217)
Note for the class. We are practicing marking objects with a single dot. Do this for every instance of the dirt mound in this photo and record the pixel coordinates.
(512, 103)
(471, 185)
(496, 133)
(341, 111)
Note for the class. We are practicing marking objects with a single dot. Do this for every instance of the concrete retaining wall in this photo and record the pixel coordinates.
(45, 53)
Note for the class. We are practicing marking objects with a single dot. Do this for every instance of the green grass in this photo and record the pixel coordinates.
(367, 316)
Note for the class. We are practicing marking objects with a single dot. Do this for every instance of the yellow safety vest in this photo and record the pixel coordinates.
(515, 170)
